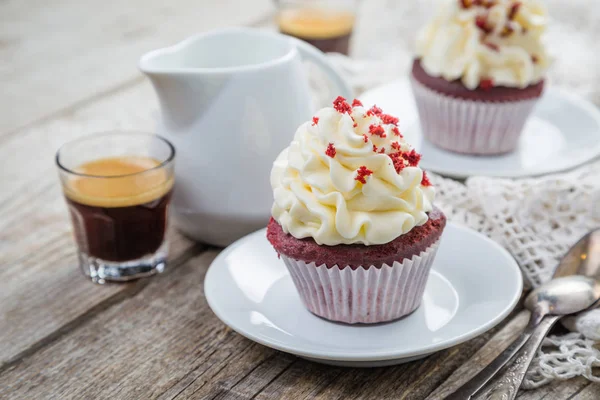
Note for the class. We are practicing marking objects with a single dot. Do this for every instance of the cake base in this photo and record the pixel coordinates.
(456, 88)
(405, 246)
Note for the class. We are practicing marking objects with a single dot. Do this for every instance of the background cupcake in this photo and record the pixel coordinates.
(479, 71)
(353, 218)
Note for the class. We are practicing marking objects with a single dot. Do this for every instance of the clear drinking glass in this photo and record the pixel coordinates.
(326, 24)
(118, 187)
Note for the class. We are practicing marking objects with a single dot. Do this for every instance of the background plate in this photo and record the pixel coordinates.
(562, 133)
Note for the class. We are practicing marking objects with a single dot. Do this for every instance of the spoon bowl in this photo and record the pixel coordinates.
(564, 295)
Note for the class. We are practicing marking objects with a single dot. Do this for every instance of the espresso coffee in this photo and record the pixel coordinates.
(119, 207)
(327, 30)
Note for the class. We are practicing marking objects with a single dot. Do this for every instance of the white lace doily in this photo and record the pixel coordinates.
(536, 220)
(563, 357)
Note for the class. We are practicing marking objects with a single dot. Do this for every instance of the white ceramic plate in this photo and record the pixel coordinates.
(474, 284)
(562, 133)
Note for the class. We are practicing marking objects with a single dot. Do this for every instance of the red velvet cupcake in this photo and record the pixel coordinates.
(353, 218)
(479, 72)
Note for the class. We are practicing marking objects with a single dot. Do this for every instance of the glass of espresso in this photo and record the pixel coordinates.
(326, 24)
(118, 187)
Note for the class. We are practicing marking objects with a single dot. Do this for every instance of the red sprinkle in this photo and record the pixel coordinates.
(374, 111)
(413, 158)
(534, 59)
(377, 130)
(396, 146)
(486, 84)
(365, 138)
(361, 173)
(356, 103)
(492, 46)
(481, 22)
(425, 181)
(315, 120)
(396, 131)
(398, 161)
(341, 105)
(355, 125)
(378, 150)
(330, 150)
(389, 119)
(514, 9)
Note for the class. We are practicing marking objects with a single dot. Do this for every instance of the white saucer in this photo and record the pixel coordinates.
(562, 133)
(474, 284)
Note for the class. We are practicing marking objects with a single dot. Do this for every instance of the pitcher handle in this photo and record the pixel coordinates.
(311, 53)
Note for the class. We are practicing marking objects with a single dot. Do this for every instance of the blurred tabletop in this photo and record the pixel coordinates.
(67, 69)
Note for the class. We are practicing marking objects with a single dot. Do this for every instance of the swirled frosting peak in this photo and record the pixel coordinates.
(486, 43)
(350, 177)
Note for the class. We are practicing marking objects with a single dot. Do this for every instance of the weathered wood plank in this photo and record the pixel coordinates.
(55, 55)
(590, 392)
(251, 383)
(408, 381)
(303, 380)
(488, 352)
(558, 390)
(151, 344)
(45, 295)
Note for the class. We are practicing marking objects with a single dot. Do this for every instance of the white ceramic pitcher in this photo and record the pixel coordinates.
(230, 101)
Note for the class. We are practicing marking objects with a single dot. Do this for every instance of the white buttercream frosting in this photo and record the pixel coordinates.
(497, 40)
(318, 180)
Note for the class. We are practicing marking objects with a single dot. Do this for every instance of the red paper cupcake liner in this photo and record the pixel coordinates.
(362, 295)
(470, 126)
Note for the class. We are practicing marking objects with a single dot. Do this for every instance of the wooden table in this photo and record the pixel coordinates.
(67, 70)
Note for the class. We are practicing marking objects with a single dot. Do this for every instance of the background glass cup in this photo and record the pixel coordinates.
(326, 24)
(118, 188)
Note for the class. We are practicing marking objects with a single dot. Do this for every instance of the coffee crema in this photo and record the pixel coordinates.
(329, 31)
(119, 206)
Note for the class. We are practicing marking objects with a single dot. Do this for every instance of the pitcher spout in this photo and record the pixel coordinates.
(190, 76)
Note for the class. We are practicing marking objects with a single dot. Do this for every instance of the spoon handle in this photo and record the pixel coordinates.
(472, 386)
(506, 386)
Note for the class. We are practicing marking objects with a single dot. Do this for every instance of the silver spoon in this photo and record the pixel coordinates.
(583, 258)
(570, 295)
